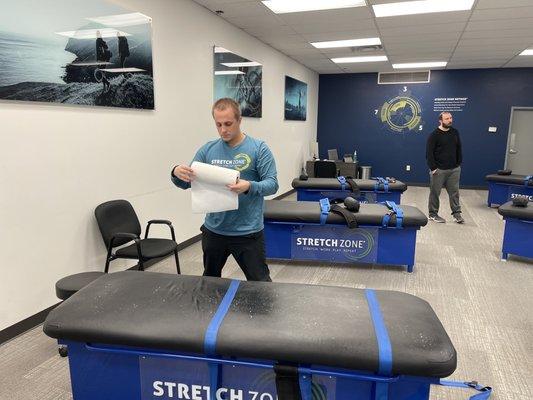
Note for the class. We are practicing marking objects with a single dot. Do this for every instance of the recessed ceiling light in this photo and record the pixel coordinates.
(241, 64)
(235, 72)
(421, 7)
(344, 60)
(347, 43)
(289, 6)
(527, 52)
(429, 64)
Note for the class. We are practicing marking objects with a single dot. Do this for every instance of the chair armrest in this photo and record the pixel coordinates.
(123, 235)
(163, 222)
(159, 221)
(131, 236)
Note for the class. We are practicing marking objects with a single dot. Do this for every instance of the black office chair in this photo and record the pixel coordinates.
(325, 169)
(119, 225)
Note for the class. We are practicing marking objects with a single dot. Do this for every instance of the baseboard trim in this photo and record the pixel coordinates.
(283, 195)
(426, 184)
(31, 322)
(25, 325)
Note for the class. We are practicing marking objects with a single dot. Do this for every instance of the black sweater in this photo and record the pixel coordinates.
(443, 150)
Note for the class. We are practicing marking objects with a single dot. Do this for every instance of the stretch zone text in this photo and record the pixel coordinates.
(343, 243)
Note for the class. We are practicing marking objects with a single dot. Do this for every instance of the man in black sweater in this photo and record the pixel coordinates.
(444, 157)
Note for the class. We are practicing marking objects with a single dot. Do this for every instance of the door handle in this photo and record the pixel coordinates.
(512, 143)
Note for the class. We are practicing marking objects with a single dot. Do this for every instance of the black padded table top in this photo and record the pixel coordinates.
(510, 179)
(309, 211)
(306, 324)
(508, 210)
(333, 183)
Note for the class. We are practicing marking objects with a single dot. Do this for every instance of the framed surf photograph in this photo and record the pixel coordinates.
(86, 52)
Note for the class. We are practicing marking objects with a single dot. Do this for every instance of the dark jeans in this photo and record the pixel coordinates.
(248, 251)
(448, 178)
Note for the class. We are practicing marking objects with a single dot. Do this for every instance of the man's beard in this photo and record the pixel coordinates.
(446, 125)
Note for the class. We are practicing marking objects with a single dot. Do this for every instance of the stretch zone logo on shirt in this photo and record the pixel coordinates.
(240, 162)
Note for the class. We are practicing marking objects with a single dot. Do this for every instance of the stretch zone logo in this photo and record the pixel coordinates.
(518, 195)
(176, 390)
(402, 113)
(357, 247)
(240, 162)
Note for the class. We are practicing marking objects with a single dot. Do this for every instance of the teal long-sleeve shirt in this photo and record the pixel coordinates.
(256, 164)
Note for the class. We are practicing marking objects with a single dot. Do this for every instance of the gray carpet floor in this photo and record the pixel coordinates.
(485, 304)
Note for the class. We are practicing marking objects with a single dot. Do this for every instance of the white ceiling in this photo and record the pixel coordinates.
(491, 35)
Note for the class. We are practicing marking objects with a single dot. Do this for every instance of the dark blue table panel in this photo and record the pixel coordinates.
(107, 372)
(517, 238)
(500, 193)
(395, 246)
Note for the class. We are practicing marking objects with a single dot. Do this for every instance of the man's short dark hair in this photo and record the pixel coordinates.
(222, 104)
(442, 113)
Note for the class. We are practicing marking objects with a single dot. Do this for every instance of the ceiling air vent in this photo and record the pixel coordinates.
(391, 78)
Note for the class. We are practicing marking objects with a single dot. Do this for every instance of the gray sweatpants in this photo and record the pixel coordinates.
(448, 178)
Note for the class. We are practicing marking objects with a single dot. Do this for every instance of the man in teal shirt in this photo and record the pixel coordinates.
(237, 232)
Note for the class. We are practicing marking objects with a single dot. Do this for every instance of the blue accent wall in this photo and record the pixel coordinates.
(347, 119)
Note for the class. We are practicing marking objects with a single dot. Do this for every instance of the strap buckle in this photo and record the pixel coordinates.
(475, 385)
(342, 181)
(325, 206)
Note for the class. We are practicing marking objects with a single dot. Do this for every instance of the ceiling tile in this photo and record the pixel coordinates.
(502, 13)
(338, 16)
(241, 10)
(521, 23)
(262, 31)
(302, 51)
(481, 4)
(325, 27)
(498, 33)
(491, 35)
(475, 64)
(417, 39)
(422, 30)
(511, 42)
(264, 21)
(394, 48)
(520, 62)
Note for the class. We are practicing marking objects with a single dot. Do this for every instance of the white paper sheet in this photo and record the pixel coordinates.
(209, 191)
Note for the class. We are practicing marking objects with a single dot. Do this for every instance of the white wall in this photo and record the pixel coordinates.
(58, 162)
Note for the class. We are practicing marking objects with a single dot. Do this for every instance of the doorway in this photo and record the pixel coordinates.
(519, 154)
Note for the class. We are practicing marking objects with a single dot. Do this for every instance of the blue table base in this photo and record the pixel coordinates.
(339, 244)
(367, 196)
(517, 238)
(500, 193)
(108, 372)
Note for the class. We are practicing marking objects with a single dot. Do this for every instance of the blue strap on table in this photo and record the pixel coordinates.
(306, 386)
(484, 391)
(382, 336)
(342, 181)
(381, 181)
(384, 343)
(210, 339)
(324, 210)
(395, 209)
